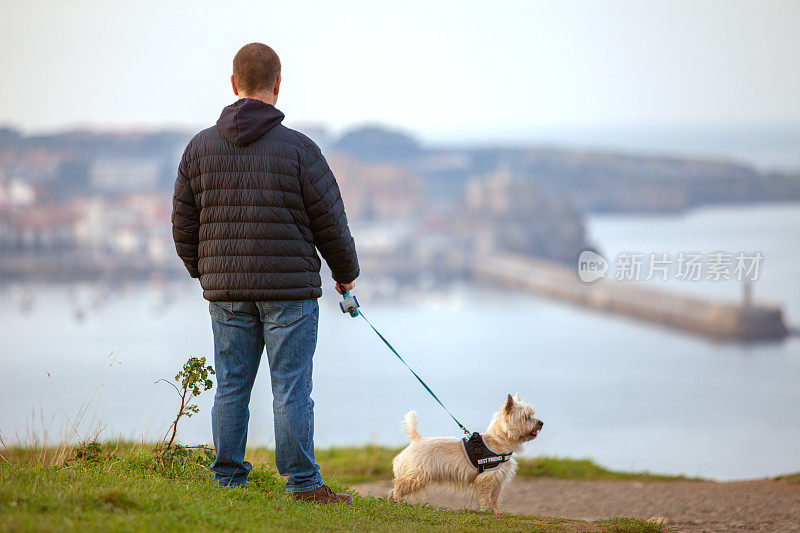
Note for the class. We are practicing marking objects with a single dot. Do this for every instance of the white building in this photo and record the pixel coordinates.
(124, 174)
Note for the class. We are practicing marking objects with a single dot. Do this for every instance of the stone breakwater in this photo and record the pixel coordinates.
(717, 320)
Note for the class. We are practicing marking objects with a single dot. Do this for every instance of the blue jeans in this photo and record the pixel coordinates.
(289, 331)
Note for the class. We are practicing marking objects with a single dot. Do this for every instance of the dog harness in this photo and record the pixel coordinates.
(480, 455)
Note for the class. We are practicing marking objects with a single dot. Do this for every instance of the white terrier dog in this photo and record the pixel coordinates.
(443, 460)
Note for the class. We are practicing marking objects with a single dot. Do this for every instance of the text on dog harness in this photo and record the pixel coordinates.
(480, 455)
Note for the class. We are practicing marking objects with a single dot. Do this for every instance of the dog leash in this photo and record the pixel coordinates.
(349, 304)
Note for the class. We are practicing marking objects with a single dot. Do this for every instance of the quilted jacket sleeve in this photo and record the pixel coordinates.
(185, 219)
(325, 210)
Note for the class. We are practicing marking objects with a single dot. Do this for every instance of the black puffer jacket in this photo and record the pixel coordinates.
(253, 199)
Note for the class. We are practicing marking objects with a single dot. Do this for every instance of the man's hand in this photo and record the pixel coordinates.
(342, 288)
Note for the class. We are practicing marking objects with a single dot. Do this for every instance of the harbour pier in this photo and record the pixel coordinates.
(724, 321)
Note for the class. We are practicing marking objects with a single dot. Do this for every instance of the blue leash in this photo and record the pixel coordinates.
(350, 305)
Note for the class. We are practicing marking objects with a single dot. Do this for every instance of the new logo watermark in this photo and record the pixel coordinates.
(591, 266)
(684, 266)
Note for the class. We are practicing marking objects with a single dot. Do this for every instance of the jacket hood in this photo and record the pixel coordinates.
(247, 119)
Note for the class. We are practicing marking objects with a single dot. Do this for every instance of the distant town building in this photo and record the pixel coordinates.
(16, 193)
(507, 214)
(121, 175)
(47, 228)
(377, 191)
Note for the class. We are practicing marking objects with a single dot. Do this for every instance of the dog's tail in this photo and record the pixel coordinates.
(411, 426)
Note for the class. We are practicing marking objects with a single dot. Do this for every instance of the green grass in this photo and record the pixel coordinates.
(564, 468)
(350, 464)
(125, 489)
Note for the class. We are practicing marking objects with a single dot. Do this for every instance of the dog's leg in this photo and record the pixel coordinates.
(405, 486)
(488, 486)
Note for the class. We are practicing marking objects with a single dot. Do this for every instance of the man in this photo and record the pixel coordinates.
(253, 202)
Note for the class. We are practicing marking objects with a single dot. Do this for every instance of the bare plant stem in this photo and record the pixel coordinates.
(184, 402)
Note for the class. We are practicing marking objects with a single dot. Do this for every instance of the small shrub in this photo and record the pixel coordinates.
(89, 452)
(192, 380)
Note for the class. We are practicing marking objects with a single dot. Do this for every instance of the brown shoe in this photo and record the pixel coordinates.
(322, 495)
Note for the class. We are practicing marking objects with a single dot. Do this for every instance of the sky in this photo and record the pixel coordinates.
(445, 70)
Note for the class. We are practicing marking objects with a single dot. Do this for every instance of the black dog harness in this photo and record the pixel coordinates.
(480, 455)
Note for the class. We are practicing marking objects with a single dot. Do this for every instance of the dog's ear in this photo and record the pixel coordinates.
(509, 404)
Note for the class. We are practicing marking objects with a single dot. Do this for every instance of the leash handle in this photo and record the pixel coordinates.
(349, 304)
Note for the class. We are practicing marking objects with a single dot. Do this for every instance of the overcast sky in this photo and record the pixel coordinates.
(440, 68)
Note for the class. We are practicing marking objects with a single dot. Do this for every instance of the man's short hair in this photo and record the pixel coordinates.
(256, 68)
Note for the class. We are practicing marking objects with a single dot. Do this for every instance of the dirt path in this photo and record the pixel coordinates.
(691, 506)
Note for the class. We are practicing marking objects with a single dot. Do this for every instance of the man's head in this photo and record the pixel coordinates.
(256, 73)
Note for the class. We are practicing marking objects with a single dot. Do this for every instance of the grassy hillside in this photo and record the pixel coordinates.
(125, 488)
(370, 463)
